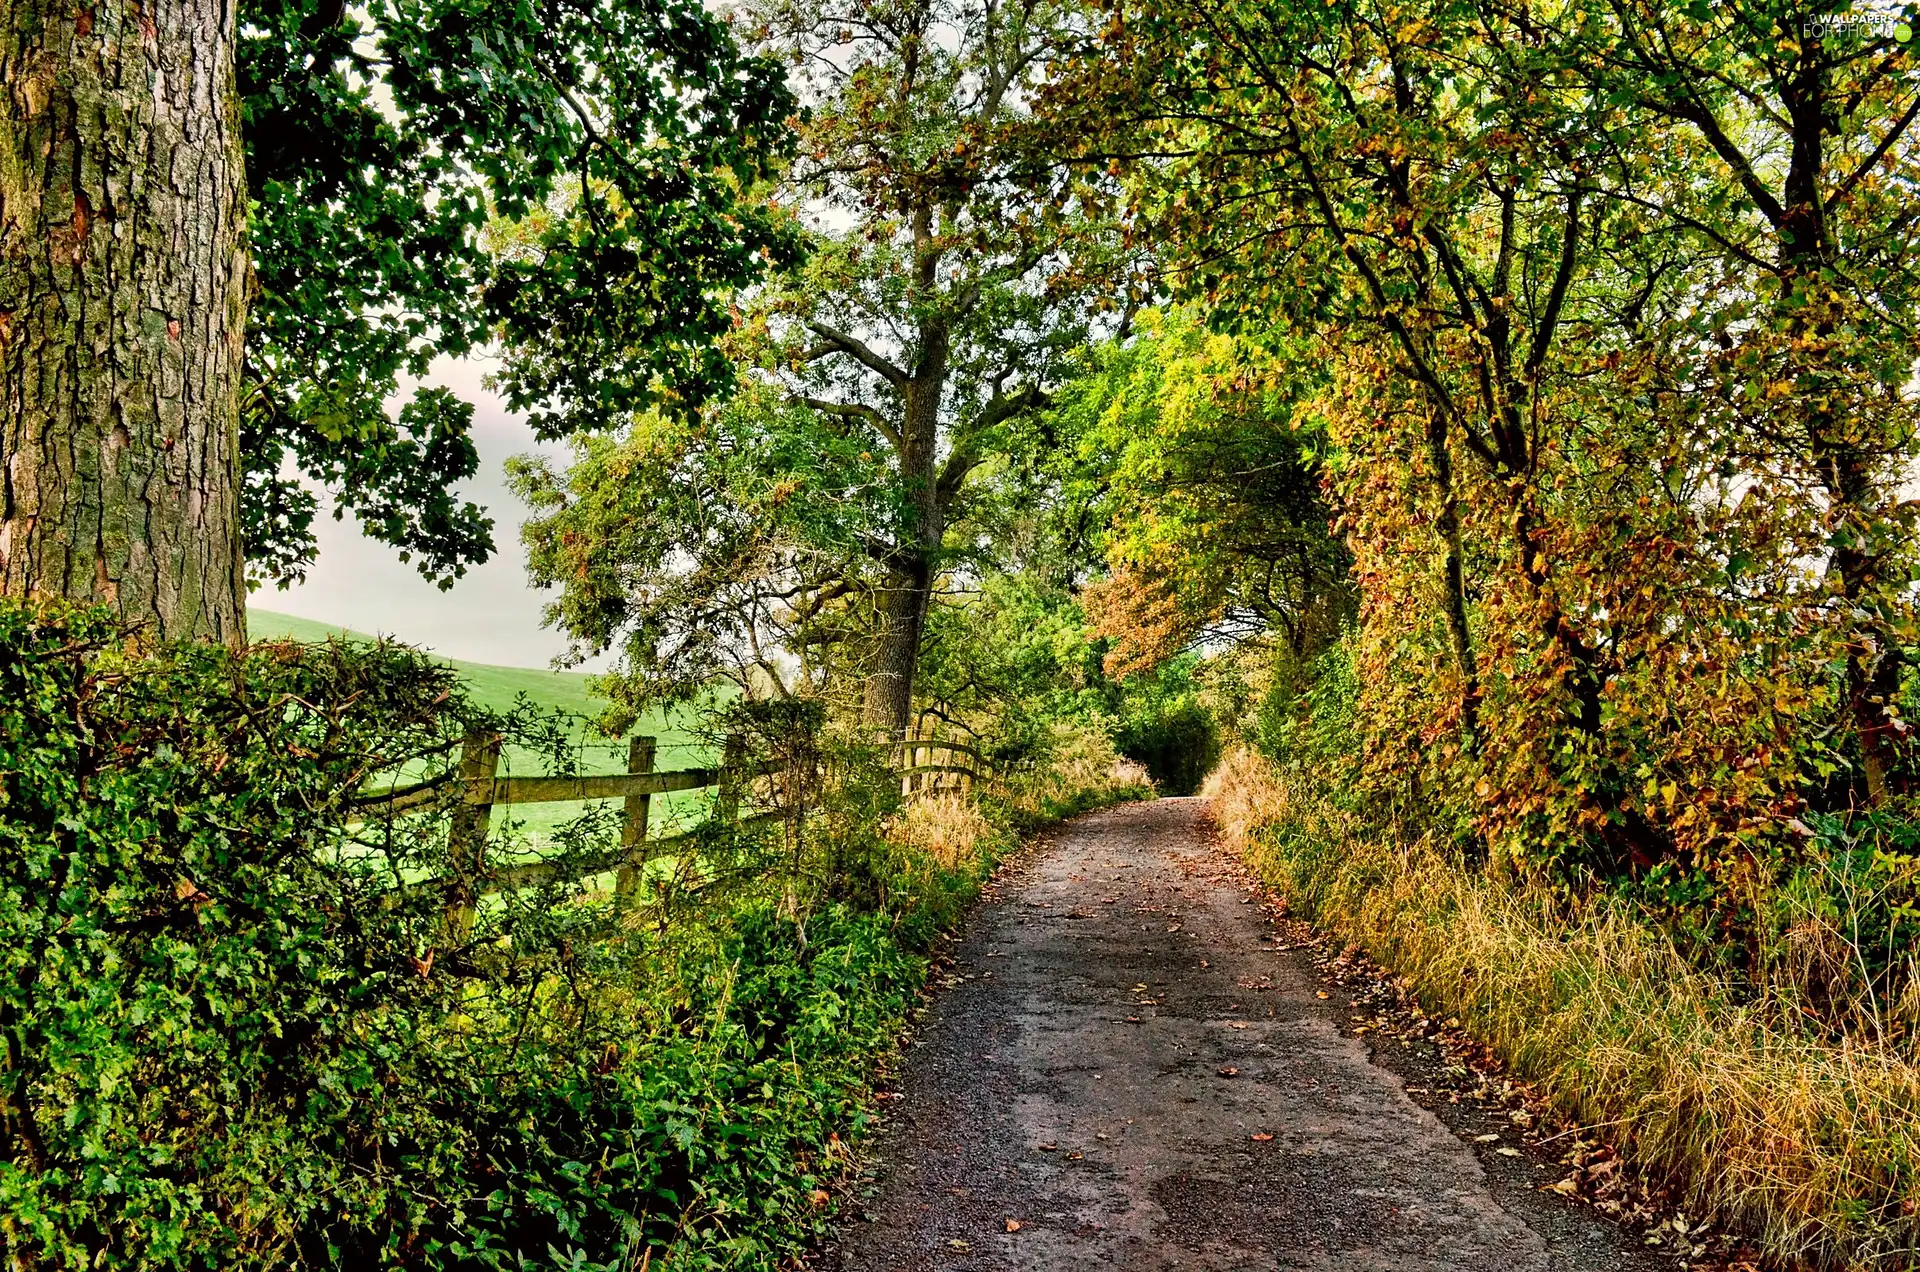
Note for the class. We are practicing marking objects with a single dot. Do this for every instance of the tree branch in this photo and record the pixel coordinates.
(1879, 152)
(854, 411)
(840, 342)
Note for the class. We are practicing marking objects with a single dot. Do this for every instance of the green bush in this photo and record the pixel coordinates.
(237, 1033)
(1164, 726)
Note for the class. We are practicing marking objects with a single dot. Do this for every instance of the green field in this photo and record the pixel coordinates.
(499, 688)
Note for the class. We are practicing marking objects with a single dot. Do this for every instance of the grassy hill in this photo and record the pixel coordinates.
(498, 688)
(494, 687)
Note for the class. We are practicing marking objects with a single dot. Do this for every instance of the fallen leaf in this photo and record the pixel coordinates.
(820, 1197)
(1321, 994)
(1507, 1151)
(1236, 1024)
(1228, 1071)
(1133, 1020)
(1013, 1225)
(1261, 1137)
(1568, 1187)
(958, 1244)
(1486, 1139)
(1048, 1148)
(1076, 1157)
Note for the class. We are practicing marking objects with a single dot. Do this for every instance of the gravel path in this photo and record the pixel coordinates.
(1123, 1066)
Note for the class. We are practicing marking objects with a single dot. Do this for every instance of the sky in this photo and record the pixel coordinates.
(491, 615)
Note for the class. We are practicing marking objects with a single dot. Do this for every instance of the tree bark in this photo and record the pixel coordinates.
(1456, 576)
(123, 299)
(887, 703)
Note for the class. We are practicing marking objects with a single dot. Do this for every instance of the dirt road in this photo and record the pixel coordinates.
(1124, 1067)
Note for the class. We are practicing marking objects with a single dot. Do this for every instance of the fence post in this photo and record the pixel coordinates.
(632, 879)
(467, 829)
(726, 800)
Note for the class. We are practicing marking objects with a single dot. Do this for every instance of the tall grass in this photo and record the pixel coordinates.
(1806, 1139)
(1078, 769)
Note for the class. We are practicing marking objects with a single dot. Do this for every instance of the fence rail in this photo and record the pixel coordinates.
(478, 773)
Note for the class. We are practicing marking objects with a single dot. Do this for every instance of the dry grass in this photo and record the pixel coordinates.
(1809, 1144)
(947, 826)
(1082, 771)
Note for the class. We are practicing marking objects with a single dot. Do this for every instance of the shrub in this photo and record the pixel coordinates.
(239, 1035)
(1072, 767)
(948, 827)
(214, 1021)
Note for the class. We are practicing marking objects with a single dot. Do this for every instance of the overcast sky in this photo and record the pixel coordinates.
(489, 616)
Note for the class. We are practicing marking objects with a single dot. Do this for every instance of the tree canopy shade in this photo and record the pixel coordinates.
(563, 177)
(1203, 448)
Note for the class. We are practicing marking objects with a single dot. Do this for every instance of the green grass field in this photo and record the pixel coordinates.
(499, 688)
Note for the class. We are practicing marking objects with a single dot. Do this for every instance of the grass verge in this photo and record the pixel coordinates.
(1808, 1143)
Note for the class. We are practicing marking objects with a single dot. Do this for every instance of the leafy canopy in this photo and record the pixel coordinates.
(563, 180)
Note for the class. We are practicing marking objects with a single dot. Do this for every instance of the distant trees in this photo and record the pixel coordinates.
(931, 315)
(1204, 452)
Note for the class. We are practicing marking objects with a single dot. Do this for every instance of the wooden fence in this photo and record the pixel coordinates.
(483, 788)
(920, 771)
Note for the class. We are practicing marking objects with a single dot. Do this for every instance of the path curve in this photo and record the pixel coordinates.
(1072, 1079)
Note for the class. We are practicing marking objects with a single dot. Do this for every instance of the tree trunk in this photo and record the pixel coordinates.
(1843, 457)
(1456, 583)
(887, 703)
(888, 700)
(123, 281)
